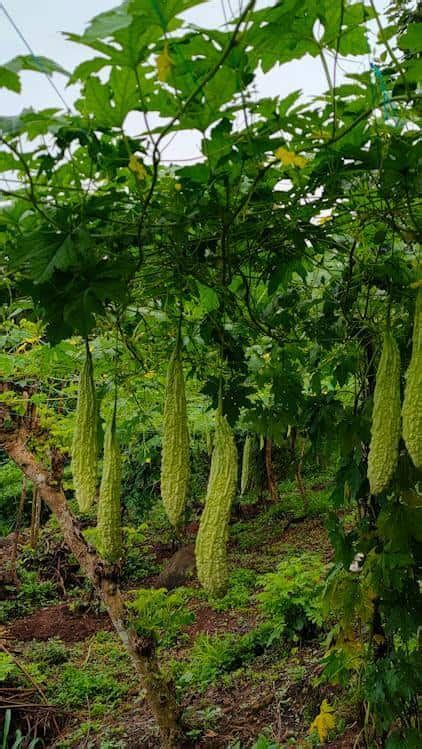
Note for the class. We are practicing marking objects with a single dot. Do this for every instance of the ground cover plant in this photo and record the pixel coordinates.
(211, 385)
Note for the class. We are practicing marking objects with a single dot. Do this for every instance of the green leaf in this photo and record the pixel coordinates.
(412, 39)
(105, 24)
(86, 68)
(208, 297)
(9, 79)
(36, 63)
(6, 666)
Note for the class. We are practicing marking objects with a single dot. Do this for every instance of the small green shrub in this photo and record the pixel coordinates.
(212, 656)
(291, 598)
(77, 684)
(51, 653)
(33, 594)
(160, 614)
(10, 490)
(139, 561)
(238, 595)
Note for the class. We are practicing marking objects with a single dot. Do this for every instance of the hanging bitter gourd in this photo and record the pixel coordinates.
(412, 404)
(246, 464)
(175, 450)
(85, 438)
(211, 541)
(108, 518)
(385, 429)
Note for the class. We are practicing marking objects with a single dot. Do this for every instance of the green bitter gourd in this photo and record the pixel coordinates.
(85, 439)
(175, 450)
(211, 541)
(108, 518)
(412, 404)
(385, 429)
(246, 464)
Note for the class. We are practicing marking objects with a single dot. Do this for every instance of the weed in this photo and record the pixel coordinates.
(33, 594)
(78, 684)
(238, 595)
(51, 653)
(291, 598)
(161, 614)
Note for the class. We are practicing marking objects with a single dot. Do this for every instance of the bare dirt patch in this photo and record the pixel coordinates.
(57, 621)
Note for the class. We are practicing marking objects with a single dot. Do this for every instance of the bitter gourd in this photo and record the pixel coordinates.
(85, 440)
(175, 450)
(412, 404)
(246, 464)
(385, 429)
(211, 541)
(108, 518)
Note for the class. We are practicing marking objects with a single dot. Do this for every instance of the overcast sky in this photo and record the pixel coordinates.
(42, 21)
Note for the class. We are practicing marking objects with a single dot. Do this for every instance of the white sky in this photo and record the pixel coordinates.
(42, 21)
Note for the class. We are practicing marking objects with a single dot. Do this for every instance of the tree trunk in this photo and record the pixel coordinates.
(160, 693)
(297, 463)
(272, 483)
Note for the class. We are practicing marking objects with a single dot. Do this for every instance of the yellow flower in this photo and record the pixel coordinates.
(136, 166)
(324, 722)
(290, 158)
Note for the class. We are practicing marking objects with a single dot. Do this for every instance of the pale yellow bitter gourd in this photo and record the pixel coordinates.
(211, 541)
(85, 438)
(175, 450)
(412, 404)
(385, 428)
(246, 464)
(108, 518)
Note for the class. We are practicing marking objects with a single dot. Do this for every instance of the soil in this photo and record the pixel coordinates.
(57, 621)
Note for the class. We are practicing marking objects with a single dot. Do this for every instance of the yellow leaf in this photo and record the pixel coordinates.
(164, 64)
(136, 166)
(324, 722)
(289, 158)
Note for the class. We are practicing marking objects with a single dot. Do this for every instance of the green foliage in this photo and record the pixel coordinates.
(291, 596)
(161, 615)
(139, 560)
(277, 247)
(102, 677)
(10, 489)
(210, 657)
(239, 591)
(6, 666)
(19, 739)
(32, 594)
(51, 653)
(77, 684)
(389, 687)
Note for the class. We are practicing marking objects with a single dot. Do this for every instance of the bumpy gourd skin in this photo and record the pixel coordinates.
(412, 404)
(385, 430)
(175, 452)
(85, 441)
(246, 464)
(108, 518)
(211, 541)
